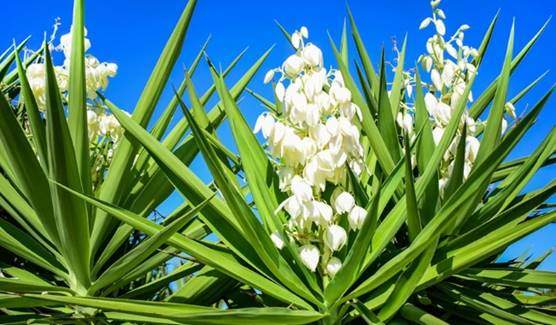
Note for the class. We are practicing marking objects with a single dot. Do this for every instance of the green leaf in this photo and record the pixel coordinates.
(414, 224)
(368, 316)
(494, 122)
(372, 77)
(218, 258)
(6, 62)
(29, 176)
(419, 316)
(485, 42)
(20, 243)
(18, 285)
(115, 182)
(344, 45)
(149, 288)
(35, 121)
(386, 118)
(191, 314)
(514, 277)
(138, 254)
(397, 84)
(77, 96)
(70, 213)
(425, 150)
(406, 284)
(483, 306)
(486, 97)
(457, 175)
(481, 249)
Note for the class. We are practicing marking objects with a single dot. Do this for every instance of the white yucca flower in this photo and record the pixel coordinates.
(344, 202)
(333, 266)
(310, 256)
(313, 139)
(335, 237)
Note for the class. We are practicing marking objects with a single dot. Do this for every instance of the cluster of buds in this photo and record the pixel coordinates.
(451, 66)
(314, 139)
(100, 123)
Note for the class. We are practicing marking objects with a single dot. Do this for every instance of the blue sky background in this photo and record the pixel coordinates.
(132, 34)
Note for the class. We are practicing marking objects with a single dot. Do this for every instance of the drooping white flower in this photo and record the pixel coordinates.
(296, 39)
(285, 175)
(436, 79)
(301, 189)
(335, 237)
(440, 111)
(293, 65)
(437, 134)
(440, 27)
(405, 121)
(309, 255)
(333, 266)
(471, 148)
(344, 202)
(280, 91)
(265, 122)
(356, 217)
(312, 55)
(324, 211)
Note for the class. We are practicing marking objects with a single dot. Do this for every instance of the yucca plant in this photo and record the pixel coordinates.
(371, 202)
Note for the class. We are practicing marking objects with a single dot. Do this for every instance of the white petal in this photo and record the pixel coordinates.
(425, 23)
(436, 79)
(304, 31)
(268, 76)
(280, 91)
(440, 27)
(277, 240)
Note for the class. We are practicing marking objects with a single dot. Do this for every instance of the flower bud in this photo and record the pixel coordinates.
(310, 256)
(335, 237)
(510, 109)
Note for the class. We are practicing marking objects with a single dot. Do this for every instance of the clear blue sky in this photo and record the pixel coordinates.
(132, 33)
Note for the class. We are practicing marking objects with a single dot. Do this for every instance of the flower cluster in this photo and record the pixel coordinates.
(100, 123)
(451, 66)
(314, 139)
